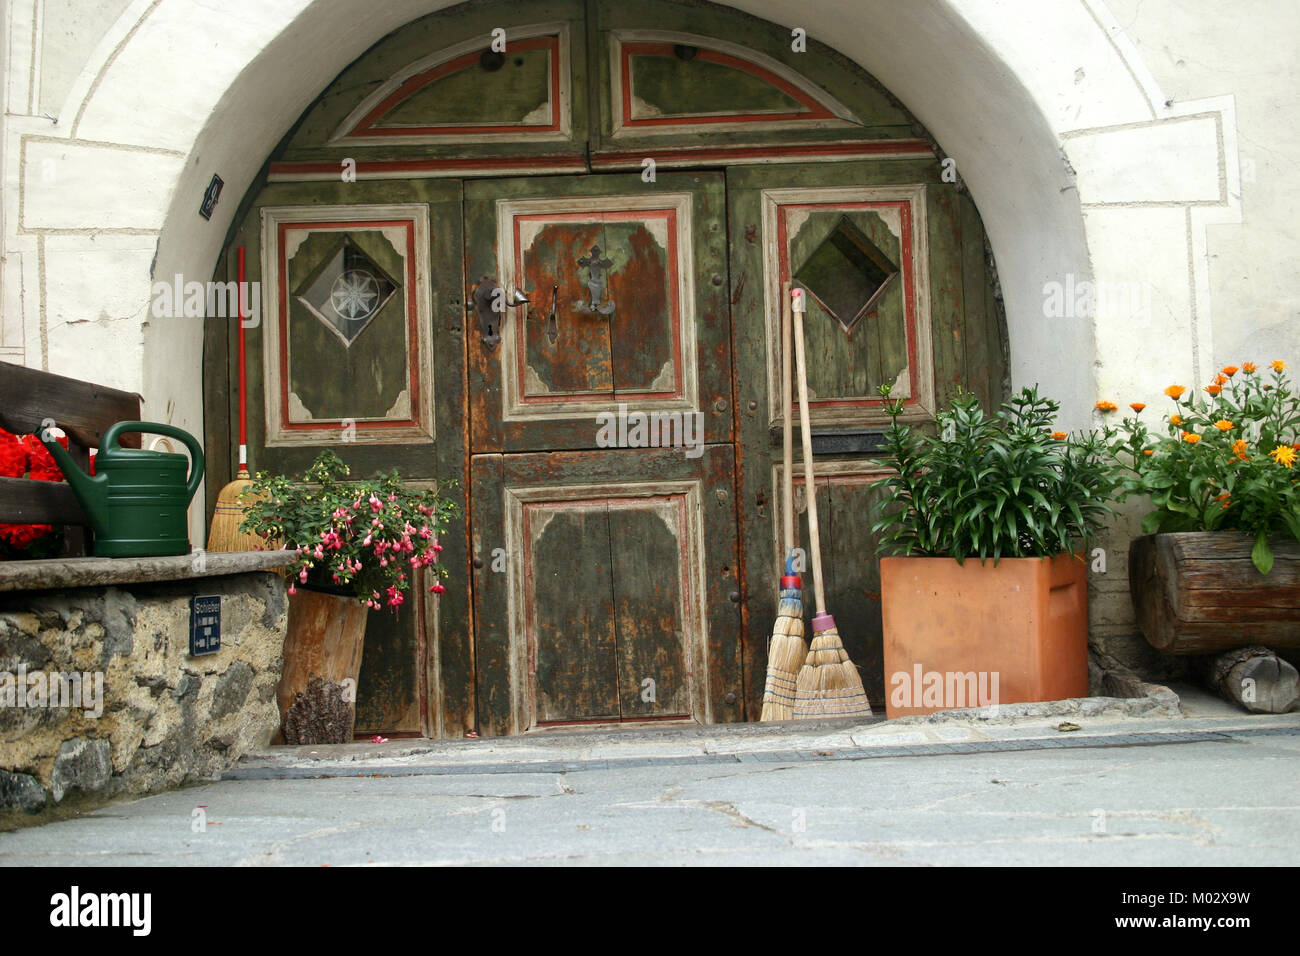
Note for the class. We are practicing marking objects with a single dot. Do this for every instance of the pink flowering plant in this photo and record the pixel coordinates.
(368, 537)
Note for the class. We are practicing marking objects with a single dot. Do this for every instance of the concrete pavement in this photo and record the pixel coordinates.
(1218, 789)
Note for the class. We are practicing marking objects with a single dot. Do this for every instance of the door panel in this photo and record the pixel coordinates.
(569, 587)
(892, 261)
(359, 349)
(612, 595)
(635, 275)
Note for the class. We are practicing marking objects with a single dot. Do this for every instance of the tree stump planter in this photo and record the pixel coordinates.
(325, 638)
(967, 635)
(1197, 592)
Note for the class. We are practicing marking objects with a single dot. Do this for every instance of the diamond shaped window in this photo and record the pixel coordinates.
(346, 291)
(847, 274)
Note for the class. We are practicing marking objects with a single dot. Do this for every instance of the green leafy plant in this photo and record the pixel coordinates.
(1222, 460)
(996, 486)
(368, 536)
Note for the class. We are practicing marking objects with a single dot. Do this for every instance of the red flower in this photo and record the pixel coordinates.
(13, 456)
(40, 461)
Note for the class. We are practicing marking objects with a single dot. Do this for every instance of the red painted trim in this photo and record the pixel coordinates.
(365, 127)
(329, 169)
(794, 152)
(413, 320)
(674, 295)
(906, 276)
(243, 362)
(814, 110)
(612, 159)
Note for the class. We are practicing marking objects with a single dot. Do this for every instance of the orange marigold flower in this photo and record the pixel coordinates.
(1214, 389)
(1148, 451)
(1239, 449)
(1175, 419)
(1223, 425)
(1220, 379)
(1191, 438)
(1175, 391)
(1137, 406)
(1229, 370)
(1060, 436)
(1284, 455)
(1249, 367)
(1222, 496)
(1279, 366)
(1106, 406)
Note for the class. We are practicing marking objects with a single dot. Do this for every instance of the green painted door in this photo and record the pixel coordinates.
(603, 522)
(892, 261)
(358, 348)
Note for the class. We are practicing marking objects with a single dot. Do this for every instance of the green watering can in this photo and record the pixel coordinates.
(137, 500)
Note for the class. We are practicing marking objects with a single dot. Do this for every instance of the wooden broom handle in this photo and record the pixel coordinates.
(809, 483)
(787, 412)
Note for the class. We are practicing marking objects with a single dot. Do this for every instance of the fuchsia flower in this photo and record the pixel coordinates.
(375, 505)
(437, 589)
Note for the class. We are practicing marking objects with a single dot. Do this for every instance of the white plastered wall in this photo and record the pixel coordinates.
(1082, 164)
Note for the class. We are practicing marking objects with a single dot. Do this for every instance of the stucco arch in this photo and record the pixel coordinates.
(179, 90)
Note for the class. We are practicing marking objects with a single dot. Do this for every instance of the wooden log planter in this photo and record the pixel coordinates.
(1198, 592)
(322, 661)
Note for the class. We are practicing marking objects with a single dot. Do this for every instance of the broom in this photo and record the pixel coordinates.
(828, 683)
(229, 511)
(787, 649)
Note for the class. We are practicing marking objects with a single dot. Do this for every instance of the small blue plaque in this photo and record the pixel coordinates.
(205, 625)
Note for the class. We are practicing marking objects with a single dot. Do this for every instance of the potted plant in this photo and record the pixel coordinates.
(1026, 500)
(1219, 566)
(361, 545)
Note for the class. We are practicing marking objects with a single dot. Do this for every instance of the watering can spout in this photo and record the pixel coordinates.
(92, 492)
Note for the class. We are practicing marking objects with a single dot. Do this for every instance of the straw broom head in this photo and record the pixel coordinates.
(785, 654)
(828, 684)
(224, 535)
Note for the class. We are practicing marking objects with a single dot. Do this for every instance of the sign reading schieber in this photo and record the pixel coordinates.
(205, 625)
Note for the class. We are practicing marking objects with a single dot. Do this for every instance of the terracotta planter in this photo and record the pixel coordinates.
(1197, 592)
(326, 635)
(967, 635)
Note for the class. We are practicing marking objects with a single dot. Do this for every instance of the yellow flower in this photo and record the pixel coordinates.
(1229, 370)
(1175, 391)
(1278, 366)
(1239, 449)
(1060, 436)
(1249, 367)
(1284, 455)
(1191, 438)
(1223, 425)
(1175, 419)
(1138, 406)
(1106, 406)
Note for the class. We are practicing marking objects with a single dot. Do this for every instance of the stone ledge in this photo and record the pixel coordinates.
(55, 573)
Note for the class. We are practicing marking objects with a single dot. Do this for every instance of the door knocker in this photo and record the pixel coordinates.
(596, 271)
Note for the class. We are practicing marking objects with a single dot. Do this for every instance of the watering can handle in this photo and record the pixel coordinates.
(157, 428)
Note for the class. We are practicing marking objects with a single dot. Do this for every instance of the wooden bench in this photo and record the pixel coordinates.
(84, 411)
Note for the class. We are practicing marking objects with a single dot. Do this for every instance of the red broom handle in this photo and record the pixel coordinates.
(243, 401)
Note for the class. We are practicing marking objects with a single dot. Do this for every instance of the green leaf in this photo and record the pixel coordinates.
(1262, 555)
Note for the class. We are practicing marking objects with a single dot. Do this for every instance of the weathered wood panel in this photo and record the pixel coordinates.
(26, 501)
(647, 554)
(636, 354)
(968, 352)
(569, 583)
(1199, 592)
(84, 410)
